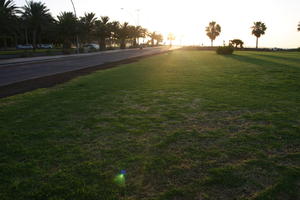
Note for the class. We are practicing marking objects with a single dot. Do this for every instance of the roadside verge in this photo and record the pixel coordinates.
(49, 81)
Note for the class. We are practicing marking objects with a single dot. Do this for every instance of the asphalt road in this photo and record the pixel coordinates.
(19, 70)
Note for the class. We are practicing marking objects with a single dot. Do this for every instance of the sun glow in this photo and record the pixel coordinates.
(187, 19)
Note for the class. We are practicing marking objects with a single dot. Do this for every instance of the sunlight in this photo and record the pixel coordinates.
(187, 19)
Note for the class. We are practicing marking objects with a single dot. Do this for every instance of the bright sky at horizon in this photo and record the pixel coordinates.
(188, 19)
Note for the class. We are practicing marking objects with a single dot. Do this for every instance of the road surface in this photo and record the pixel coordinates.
(19, 70)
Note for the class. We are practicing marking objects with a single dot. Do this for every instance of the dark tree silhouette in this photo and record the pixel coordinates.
(103, 31)
(87, 27)
(152, 36)
(299, 26)
(8, 19)
(114, 37)
(36, 16)
(137, 32)
(132, 35)
(35, 25)
(258, 29)
(213, 30)
(143, 33)
(156, 38)
(123, 34)
(236, 43)
(159, 38)
(67, 28)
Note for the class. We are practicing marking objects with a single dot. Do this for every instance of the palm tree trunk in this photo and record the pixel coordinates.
(134, 42)
(5, 42)
(212, 43)
(16, 39)
(256, 42)
(102, 44)
(34, 39)
(26, 36)
(40, 38)
(122, 44)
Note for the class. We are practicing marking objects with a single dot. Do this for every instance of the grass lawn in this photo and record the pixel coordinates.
(184, 125)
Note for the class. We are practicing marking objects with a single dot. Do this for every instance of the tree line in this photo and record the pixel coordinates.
(33, 24)
(213, 30)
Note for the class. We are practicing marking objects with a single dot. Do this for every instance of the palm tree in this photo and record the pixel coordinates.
(7, 8)
(258, 29)
(137, 32)
(114, 27)
(213, 30)
(153, 36)
(103, 31)
(37, 16)
(67, 28)
(143, 33)
(88, 26)
(123, 34)
(159, 38)
(8, 12)
(171, 37)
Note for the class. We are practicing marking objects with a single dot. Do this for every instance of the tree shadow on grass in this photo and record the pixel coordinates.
(263, 62)
(278, 57)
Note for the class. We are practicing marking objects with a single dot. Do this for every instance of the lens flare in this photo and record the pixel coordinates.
(120, 178)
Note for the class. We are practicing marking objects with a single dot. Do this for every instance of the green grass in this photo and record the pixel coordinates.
(184, 125)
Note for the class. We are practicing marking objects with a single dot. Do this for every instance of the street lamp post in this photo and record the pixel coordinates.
(77, 40)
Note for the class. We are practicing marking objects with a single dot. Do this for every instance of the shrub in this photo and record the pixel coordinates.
(111, 48)
(67, 51)
(226, 50)
(26, 54)
(81, 50)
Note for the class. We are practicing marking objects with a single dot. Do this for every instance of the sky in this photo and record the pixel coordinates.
(187, 19)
